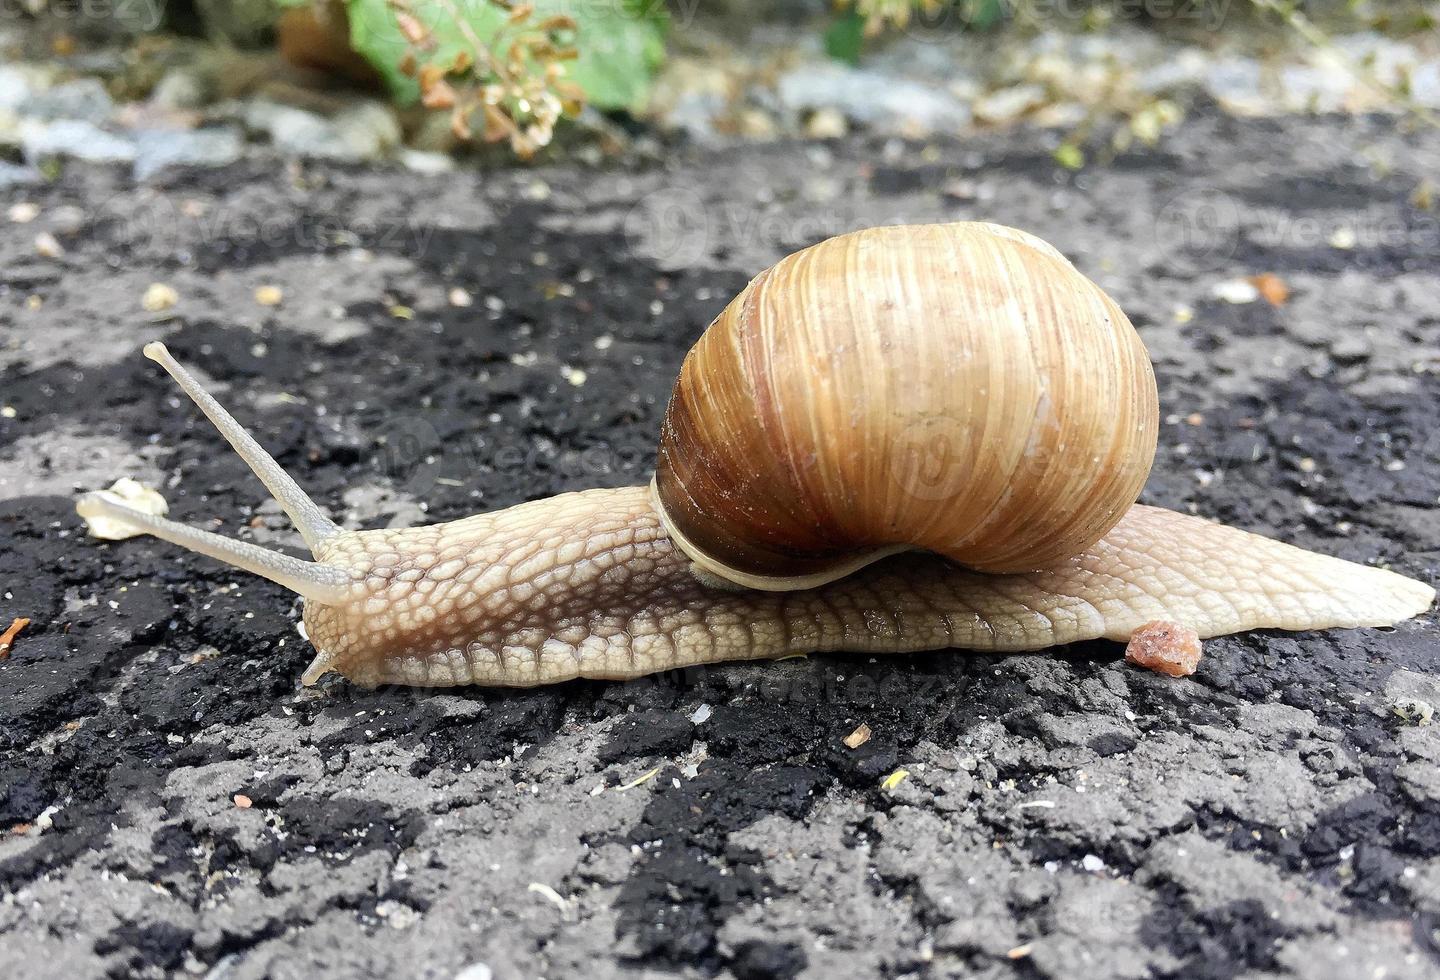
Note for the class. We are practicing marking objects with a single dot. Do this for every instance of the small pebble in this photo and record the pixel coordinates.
(48, 245)
(1236, 291)
(1092, 863)
(858, 737)
(461, 298)
(132, 494)
(826, 123)
(269, 295)
(1351, 349)
(23, 212)
(159, 297)
(242, 801)
(1167, 648)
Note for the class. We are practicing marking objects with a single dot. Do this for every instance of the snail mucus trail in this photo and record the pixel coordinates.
(787, 515)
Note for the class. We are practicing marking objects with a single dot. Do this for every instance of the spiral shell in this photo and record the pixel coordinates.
(956, 388)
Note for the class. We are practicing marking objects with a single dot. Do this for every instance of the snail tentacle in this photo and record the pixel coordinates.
(313, 580)
(314, 525)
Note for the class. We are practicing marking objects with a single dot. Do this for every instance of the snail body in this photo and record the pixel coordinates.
(782, 520)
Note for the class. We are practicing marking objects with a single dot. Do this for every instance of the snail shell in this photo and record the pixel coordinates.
(957, 388)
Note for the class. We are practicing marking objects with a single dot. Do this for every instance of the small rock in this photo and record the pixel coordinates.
(1164, 647)
(83, 99)
(269, 295)
(426, 161)
(73, 138)
(23, 212)
(364, 131)
(1425, 85)
(1235, 291)
(67, 219)
(49, 246)
(15, 87)
(1351, 349)
(179, 89)
(1186, 70)
(475, 971)
(14, 175)
(1235, 84)
(1092, 863)
(130, 493)
(1314, 89)
(872, 98)
(755, 124)
(694, 113)
(1009, 104)
(296, 131)
(157, 149)
(826, 124)
(369, 129)
(159, 297)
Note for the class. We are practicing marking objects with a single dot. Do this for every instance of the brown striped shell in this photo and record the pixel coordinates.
(957, 388)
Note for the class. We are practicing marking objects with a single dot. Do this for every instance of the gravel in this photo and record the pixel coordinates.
(1274, 815)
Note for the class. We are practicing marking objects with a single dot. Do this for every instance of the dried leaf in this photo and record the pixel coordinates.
(439, 96)
(415, 32)
(894, 779)
(460, 123)
(7, 638)
(497, 125)
(430, 76)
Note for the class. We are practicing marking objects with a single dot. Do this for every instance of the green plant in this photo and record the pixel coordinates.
(859, 20)
(510, 71)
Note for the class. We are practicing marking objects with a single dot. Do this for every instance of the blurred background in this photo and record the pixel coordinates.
(436, 83)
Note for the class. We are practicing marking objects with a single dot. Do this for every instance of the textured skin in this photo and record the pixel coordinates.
(588, 585)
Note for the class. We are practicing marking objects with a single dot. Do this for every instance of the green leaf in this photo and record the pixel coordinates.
(845, 37)
(981, 15)
(621, 44)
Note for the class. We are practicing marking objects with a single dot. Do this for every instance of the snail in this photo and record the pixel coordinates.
(900, 439)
